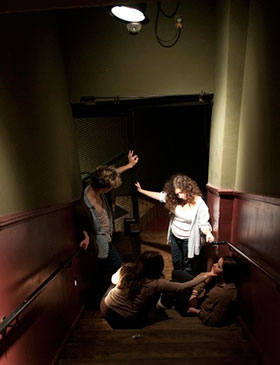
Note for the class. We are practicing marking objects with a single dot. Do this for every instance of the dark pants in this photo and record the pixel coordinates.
(97, 273)
(180, 300)
(105, 268)
(114, 257)
(179, 252)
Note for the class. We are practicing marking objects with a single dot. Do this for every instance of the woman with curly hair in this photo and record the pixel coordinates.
(189, 217)
(94, 218)
(136, 288)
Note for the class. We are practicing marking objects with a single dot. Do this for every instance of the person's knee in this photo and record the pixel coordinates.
(181, 276)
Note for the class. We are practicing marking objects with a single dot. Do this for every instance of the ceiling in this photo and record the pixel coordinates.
(19, 6)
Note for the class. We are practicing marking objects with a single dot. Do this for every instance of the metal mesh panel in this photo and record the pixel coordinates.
(99, 140)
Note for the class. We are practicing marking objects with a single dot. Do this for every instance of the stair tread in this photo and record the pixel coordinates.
(159, 361)
(175, 340)
(140, 350)
(148, 336)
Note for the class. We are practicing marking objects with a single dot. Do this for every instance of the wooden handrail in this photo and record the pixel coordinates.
(274, 278)
(8, 320)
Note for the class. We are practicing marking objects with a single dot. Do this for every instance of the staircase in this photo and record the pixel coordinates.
(175, 340)
(172, 340)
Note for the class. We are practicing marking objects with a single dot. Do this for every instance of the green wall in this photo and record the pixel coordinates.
(245, 122)
(259, 137)
(231, 39)
(103, 59)
(51, 59)
(38, 158)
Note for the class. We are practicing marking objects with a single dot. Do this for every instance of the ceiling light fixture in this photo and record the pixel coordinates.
(128, 14)
(133, 15)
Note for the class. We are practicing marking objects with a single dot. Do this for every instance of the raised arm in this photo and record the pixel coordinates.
(173, 287)
(132, 161)
(151, 194)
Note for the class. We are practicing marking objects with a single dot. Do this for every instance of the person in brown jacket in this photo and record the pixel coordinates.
(215, 300)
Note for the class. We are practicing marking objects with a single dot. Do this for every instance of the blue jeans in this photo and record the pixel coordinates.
(179, 252)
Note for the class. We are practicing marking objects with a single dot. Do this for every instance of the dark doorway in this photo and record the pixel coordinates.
(171, 133)
(172, 139)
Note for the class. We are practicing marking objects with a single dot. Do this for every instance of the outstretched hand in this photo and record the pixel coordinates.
(209, 237)
(85, 242)
(138, 186)
(132, 159)
(211, 273)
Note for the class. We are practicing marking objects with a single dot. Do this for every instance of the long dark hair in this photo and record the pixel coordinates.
(231, 270)
(186, 185)
(149, 265)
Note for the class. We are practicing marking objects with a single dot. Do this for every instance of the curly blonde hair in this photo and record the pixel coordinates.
(186, 185)
(105, 177)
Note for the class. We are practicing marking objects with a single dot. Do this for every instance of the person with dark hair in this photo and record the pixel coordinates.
(94, 216)
(215, 299)
(190, 218)
(137, 289)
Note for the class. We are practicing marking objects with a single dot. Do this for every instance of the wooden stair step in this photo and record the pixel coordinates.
(96, 321)
(176, 340)
(168, 361)
(99, 323)
(210, 349)
(148, 336)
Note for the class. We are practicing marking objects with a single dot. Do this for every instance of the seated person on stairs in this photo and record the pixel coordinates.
(214, 300)
(136, 288)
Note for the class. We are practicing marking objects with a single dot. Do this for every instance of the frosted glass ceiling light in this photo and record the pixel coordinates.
(128, 14)
(133, 15)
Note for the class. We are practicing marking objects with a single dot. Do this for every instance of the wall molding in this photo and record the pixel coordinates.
(251, 222)
(271, 199)
(31, 214)
(219, 191)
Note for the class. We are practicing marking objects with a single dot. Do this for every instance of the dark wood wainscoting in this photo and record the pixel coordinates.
(251, 222)
(32, 245)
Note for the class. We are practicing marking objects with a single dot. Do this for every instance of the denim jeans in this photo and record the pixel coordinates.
(179, 252)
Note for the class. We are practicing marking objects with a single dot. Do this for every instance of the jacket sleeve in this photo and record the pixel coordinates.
(174, 287)
(201, 286)
(203, 216)
(83, 222)
(162, 197)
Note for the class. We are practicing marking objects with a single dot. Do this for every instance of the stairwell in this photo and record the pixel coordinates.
(174, 340)
(171, 340)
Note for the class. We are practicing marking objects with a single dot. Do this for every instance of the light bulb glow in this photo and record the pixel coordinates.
(128, 14)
